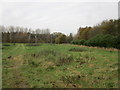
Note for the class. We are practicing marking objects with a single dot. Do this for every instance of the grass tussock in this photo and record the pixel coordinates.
(4, 44)
(33, 44)
(77, 49)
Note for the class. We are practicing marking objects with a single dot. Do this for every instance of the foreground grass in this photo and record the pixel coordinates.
(58, 66)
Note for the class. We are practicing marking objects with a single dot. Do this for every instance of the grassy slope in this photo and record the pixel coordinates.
(36, 66)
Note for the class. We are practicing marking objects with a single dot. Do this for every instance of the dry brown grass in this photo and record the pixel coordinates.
(108, 49)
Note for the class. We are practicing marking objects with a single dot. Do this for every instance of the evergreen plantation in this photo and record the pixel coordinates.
(106, 34)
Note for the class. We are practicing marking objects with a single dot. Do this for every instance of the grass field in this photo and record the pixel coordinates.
(58, 66)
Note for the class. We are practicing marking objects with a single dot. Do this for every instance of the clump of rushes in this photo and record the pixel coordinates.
(33, 44)
(64, 59)
(48, 52)
(5, 44)
(73, 79)
(77, 49)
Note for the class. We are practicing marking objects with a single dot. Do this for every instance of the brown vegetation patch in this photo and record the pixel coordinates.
(108, 49)
(77, 49)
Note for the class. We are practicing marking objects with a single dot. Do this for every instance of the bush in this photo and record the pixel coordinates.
(100, 40)
(79, 42)
(118, 42)
(74, 42)
(82, 42)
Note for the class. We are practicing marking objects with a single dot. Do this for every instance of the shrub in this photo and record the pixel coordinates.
(82, 42)
(87, 43)
(79, 42)
(102, 41)
(118, 42)
(74, 42)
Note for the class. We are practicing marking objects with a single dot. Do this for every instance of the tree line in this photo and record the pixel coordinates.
(13, 34)
(105, 34)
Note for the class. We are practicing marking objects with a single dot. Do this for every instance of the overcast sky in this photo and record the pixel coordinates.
(64, 17)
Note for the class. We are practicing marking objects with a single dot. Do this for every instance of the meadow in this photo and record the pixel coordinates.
(58, 66)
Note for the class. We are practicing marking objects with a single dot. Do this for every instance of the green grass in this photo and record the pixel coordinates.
(58, 66)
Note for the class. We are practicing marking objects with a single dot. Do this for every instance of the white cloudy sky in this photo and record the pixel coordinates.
(65, 17)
